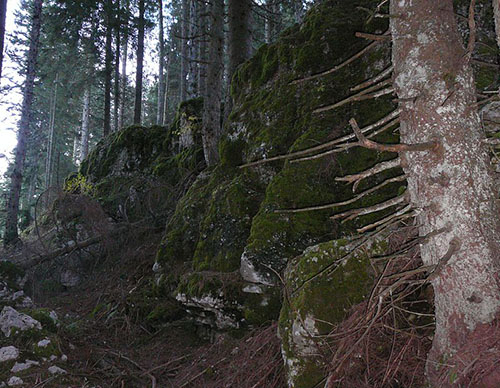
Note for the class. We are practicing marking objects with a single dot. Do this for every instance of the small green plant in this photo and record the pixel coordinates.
(78, 184)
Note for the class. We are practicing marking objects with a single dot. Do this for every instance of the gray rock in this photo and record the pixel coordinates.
(55, 370)
(14, 381)
(20, 366)
(8, 353)
(10, 319)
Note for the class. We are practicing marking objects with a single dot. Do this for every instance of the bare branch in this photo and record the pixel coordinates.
(357, 178)
(364, 35)
(364, 142)
(340, 66)
(370, 209)
(373, 80)
(453, 247)
(363, 95)
(386, 219)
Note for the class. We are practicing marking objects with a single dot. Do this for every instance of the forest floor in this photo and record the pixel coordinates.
(109, 344)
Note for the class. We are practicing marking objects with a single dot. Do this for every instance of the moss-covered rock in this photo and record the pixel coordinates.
(321, 285)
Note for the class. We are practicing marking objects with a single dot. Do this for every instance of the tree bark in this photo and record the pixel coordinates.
(184, 49)
(452, 187)
(239, 43)
(117, 96)
(273, 20)
(108, 68)
(496, 14)
(212, 102)
(202, 56)
(161, 67)
(124, 68)
(139, 68)
(165, 99)
(192, 63)
(50, 137)
(3, 14)
(84, 148)
(11, 233)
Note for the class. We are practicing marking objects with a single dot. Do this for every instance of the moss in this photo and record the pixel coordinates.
(345, 276)
(11, 274)
(42, 315)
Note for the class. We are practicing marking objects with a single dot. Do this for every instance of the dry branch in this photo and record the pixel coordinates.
(373, 80)
(357, 178)
(364, 142)
(365, 35)
(371, 209)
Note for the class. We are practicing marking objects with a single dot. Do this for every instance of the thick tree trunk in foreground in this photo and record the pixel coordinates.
(496, 14)
(3, 14)
(24, 127)
(453, 188)
(213, 96)
(139, 69)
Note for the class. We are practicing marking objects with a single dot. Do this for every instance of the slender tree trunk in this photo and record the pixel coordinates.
(212, 106)
(84, 148)
(124, 69)
(202, 68)
(299, 10)
(11, 233)
(50, 137)
(192, 63)
(184, 49)
(273, 20)
(239, 43)
(108, 68)
(453, 188)
(161, 67)
(3, 14)
(117, 96)
(139, 69)
(165, 100)
(77, 141)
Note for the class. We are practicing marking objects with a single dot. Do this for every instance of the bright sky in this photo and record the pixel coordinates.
(8, 119)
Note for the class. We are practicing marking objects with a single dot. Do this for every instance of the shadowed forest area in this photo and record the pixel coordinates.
(250, 193)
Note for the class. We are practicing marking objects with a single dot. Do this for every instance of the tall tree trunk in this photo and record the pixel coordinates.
(117, 68)
(452, 186)
(192, 63)
(50, 137)
(3, 14)
(212, 102)
(184, 49)
(239, 43)
(84, 148)
(139, 69)
(77, 141)
(124, 68)
(161, 67)
(165, 100)
(108, 68)
(273, 20)
(202, 68)
(11, 233)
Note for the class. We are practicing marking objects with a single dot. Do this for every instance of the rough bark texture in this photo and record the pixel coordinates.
(213, 96)
(161, 67)
(139, 68)
(124, 69)
(202, 44)
(108, 69)
(452, 187)
(496, 14)
(24, 127)
(192, 63)
(184, 49)
(117, 96)
(85, 125)
(3, 14)
(240, 41)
